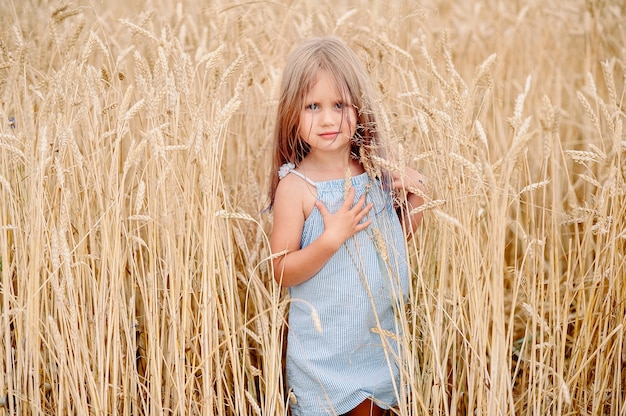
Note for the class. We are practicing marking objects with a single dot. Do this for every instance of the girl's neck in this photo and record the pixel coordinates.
(329, 168)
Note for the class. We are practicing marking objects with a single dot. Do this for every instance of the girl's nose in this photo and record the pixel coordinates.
(328, 118)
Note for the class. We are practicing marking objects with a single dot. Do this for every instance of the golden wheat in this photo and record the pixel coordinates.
(135, 143)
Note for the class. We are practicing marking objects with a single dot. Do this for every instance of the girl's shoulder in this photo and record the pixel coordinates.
(295, 189)
(288, 168)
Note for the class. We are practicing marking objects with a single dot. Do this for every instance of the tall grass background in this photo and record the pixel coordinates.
(135, 142)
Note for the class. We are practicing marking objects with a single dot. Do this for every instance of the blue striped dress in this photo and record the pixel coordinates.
(342, 340)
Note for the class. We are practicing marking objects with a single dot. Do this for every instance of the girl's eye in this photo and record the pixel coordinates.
(338, 106)
(312, 106)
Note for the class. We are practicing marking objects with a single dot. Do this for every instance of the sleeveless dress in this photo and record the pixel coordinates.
(342, 340)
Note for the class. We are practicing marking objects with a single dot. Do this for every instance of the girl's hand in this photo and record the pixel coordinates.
(346, 222)
(413, 185)
(409, 181)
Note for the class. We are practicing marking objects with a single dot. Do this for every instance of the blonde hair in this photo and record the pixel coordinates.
(334, 56)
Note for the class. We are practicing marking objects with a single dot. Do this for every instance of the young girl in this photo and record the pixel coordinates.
(340, 239)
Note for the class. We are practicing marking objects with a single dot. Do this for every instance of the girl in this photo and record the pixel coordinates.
(338, 241)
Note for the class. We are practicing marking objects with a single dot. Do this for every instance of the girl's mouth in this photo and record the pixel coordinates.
(329, 135)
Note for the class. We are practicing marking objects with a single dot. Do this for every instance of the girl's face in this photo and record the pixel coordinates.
(328, 119)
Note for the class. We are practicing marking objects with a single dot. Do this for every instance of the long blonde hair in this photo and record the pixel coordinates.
(334, 56)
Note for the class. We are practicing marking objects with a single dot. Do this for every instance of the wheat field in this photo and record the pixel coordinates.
(135, 142)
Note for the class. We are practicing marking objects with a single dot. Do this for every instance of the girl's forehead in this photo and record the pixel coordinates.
(336, 82)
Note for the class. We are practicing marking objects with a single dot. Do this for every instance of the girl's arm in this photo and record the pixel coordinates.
(411, 179)
(298, 265)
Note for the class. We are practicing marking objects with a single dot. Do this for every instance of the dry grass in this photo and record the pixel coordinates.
(134, 157)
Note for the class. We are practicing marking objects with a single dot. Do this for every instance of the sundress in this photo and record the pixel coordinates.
(343, 326)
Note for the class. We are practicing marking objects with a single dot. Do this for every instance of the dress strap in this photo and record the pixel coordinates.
(301, 175)
(290, 168)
